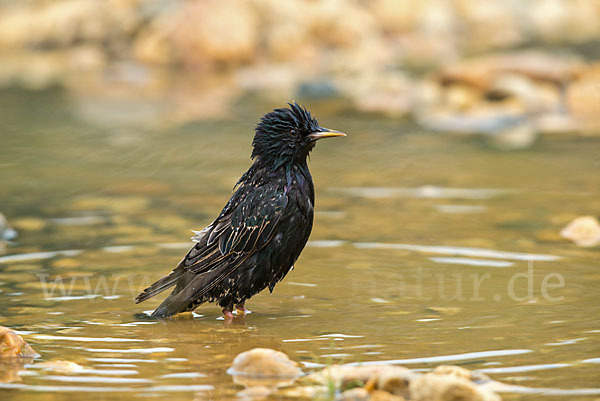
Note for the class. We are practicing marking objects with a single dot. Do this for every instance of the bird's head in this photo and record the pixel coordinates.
(285, 136)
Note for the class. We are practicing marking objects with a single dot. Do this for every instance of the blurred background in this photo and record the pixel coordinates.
(495, 64)
(472, 149)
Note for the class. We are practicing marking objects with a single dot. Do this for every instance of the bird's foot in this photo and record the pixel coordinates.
(241, 309)
(228, 313)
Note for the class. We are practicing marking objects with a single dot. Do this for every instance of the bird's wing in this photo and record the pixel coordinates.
(245, 225)
(241, 229)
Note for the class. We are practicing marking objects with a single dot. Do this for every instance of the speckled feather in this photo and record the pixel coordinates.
(262, 229)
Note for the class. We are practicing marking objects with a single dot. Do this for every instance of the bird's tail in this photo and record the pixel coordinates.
(190, 292)
(164, 283)
(171, 306)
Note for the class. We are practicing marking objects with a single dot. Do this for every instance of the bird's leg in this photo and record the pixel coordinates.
(241, 308)
(228, 312)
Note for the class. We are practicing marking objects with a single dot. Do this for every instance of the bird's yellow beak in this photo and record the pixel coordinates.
(325, 133)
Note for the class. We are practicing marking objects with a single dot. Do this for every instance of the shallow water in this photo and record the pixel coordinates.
(427, 249)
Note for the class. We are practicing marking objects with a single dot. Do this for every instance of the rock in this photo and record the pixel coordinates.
(448, 387)
(355, 27)
(318, 89)
(462, 97)
(152, 45)
(535, 65)
(378, 395)
(330, 374)
(306, 392)
(454, 371)
(474, 376)
(397, 16)
(534, 97)
(489, 23)
(263, 367)
(63, 23)
(584, 231)
(12, 345)
(355, 394)
(583, 97)
(363, 383)
(279, 80)
(564, 21)
(255, 392)
(480, 120)
(445, 310)
(393, 379)
(9, 371)
(386, 93)
(6, 232)
(557, 123)
(264, 362)
(200, 34)
(214, 31)
(520, 136)
(60, 366)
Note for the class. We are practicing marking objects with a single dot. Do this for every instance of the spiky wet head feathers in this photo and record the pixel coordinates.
(282, 135)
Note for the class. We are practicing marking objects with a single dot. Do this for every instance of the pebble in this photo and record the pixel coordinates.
(263, 367)
(12, 345)
(6, 232)
(448, 387)
(584, 231)
(59, 366)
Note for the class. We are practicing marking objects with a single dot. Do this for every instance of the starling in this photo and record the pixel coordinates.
(262, 229)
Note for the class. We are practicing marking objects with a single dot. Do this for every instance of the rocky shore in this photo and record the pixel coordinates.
(265, 372)
(507, 70)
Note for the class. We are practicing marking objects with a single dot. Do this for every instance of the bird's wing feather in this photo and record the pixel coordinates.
(245, 225)
(243, 229)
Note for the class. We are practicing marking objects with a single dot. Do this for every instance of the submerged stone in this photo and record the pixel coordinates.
(583, 231)
(264, 372)
(437, 386)
(6, 232)
(379, 395)
(59, 366)
(14, 354)
(392, 379)
(255, 392)
(12, 345)
(355, 394)
(263, 367)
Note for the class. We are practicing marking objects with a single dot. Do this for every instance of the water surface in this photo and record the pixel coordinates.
(417, 241)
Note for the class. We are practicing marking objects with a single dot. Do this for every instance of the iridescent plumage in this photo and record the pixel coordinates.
(262, 229)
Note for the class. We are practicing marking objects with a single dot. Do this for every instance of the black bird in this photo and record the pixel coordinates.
(262, 229)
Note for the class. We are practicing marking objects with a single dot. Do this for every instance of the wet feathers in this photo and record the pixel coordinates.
(262, 229)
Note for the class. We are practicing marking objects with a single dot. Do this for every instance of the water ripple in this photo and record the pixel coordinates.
(131, 350)
(457, 250)
(86, 339)
(177, 388)
(506, 388)
(449, 358)
(525, 368)
(121, 360)
(472, 262)
(38, 255)
(183, 375)
(426, 191)
(96, 379)
(325, 243)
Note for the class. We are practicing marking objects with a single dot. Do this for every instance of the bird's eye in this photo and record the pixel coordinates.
(294, 132)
